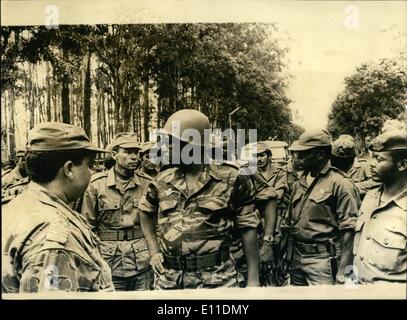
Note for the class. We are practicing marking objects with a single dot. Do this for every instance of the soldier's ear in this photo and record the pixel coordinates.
(402, 165)
(67, 169)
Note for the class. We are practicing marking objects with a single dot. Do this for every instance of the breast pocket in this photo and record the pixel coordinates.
(215, 211)
(141, 254)
(388, 248)
(320, 197)
(109, 212)
(319, 208)
(167, 206)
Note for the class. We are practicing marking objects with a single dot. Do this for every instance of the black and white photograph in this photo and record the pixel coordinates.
(204, 150)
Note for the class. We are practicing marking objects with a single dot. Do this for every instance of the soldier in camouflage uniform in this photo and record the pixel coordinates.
(12, 176)
(197, 207)
(46, 246)
(111, 206)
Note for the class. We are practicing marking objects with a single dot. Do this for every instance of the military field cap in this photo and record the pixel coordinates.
(311, 139)
(344, 147)
(125, 140)
(390, 140)
(147, 146)
(52, 136)
(261, 147)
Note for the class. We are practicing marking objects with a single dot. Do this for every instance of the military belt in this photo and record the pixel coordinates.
(206, 234)
(196, 262)
(316, 247)
(120, 235)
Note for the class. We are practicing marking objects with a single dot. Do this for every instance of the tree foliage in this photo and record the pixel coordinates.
(375, 93)
(141, 74)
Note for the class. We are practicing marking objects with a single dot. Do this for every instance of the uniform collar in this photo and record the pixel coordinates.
(111, 178)
(325, 169)
(178, 181)
(400, 199)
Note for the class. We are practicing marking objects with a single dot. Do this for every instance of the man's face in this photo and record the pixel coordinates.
(127, 158)
(147, 164)
(263, 159)
(81, 174)
(21, 164)
(306, 160)
(383, 167)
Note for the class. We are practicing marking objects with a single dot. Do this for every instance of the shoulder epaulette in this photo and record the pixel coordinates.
(98, 175)
(143, 175)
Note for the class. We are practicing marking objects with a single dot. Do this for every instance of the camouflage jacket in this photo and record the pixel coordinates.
(13, 190)
(107, 206)
(317, 212)
(10, 177)
(201, 221)
(47, 246)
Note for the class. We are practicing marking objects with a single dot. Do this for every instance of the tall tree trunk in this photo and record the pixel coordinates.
(66, 112)
(86, 100)
(146, 104)
(48, 89)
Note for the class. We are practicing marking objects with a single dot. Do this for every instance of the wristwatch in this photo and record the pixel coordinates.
(269, 239)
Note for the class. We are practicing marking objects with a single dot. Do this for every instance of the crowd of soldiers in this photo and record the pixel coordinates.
(330, 215)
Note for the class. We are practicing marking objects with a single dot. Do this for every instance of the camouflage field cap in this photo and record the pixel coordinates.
(311, 139)
(52, 136)
(344, 147)
(389, 141)
(125, 140)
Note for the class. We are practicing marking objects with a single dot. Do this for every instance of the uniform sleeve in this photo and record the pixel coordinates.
(286, 222)
(61, 270)
(281, 185)
(149, 201)
(243, 203)
(89, 203)
(276, 191)
(348, 204)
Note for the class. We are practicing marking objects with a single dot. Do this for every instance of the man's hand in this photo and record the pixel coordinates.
(156, 262)
(266, 253)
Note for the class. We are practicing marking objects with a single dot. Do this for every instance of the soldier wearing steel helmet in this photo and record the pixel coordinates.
(41, 234)
(111, 205)
(321, 216)
(197, 206)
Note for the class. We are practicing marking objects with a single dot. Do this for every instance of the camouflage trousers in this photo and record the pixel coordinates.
(139, 282)
(223, 276)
